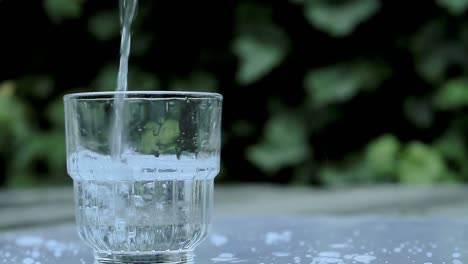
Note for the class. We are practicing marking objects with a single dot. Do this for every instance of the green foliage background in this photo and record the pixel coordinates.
(316, 91)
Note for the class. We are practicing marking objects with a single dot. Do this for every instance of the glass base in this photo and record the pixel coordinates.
(162, 257)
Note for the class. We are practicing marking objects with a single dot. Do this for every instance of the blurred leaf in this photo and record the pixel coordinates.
(453, 95)
(456, 7)
(341, 82)
(106, 79)
(420, 164)
(464, 33)
(59, 10)
(56, 158)
(39, 146)
(7, 90)
(242, 128)
(55, 113)
(37, 86)
(142, 81)
(197, 81)
(319, 118)
(382, 155)
(452, 146)
(428, 37)
(418, 111)
(436, 53)
(434, 64)
(13, 119)
(256, 58)
(159, 137)
(104, 25)
(168, 132)
(141, 43)
(284, 144)
(339, 18)
(260, 44)
(304, 174)
(354, 171)
(21, 180)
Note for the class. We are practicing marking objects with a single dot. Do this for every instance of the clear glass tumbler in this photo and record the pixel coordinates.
(151, 201)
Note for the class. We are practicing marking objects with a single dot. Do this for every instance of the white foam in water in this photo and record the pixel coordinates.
(281, 254)
(90, 166)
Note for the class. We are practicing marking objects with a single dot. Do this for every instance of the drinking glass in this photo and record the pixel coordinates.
(151, 201)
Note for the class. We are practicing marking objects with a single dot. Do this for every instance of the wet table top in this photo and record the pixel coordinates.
(277, 240)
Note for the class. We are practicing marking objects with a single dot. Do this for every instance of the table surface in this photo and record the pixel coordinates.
(53, 205)
(277, 240)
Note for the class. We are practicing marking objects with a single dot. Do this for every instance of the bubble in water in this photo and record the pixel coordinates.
(110, 222)
(138, 201)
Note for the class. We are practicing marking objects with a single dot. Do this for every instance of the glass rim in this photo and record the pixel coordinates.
(132, 94)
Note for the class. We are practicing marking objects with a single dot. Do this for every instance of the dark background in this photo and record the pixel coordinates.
(322, 92)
